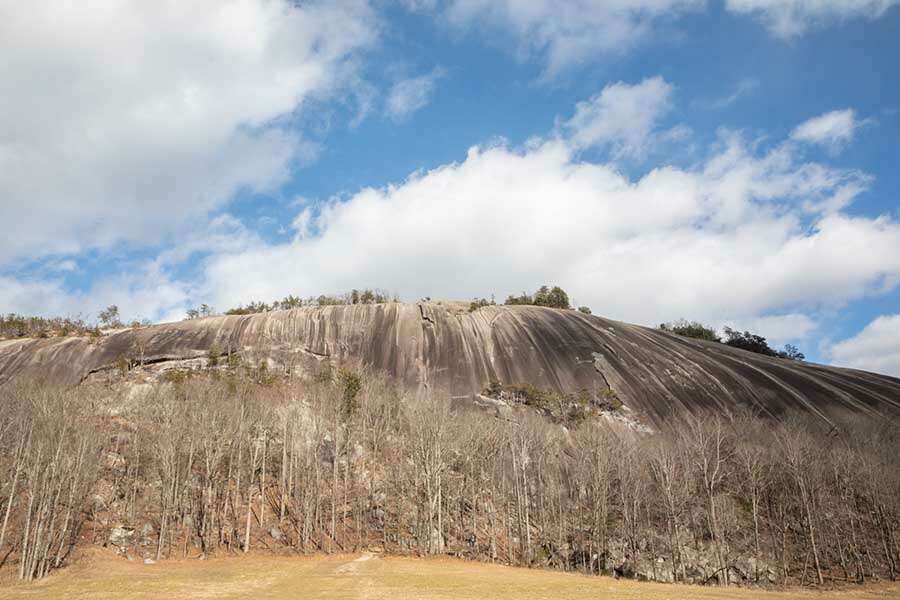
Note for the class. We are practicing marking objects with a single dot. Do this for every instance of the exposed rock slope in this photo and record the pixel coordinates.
(443, 347)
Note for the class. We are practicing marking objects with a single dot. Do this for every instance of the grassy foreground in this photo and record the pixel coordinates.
(101, 576)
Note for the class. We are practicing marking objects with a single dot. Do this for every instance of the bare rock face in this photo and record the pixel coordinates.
(442, 347)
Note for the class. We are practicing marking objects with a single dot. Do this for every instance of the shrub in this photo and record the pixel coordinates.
(570, 409)
(350, 384)
(214, 354)
(524, 299)
(15, 325)
(609, 400)
(109, 317)
(205, 310)
(177, 376)
(477, 303)
(554, 297)
(791, 352)
(691, 329)
(758, 344)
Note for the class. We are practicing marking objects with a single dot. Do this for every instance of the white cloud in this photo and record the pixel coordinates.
(145, 288)
(832, 129)
(622, 116)
(790, 18)
(123, 121)
(22, 296)
(875, 348)
(743, 88)
(741, 235)
(409, 95)
(566, 33)
(144, 291)
(778, 329)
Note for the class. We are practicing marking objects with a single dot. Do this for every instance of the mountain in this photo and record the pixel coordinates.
(443, 347)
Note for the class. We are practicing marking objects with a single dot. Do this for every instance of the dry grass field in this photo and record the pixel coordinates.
(101, 576)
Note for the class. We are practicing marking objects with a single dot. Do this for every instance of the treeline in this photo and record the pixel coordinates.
(217, 464)
(49, 457)
(366, 296)
(14, 325)
(550, 297)
(736, 339)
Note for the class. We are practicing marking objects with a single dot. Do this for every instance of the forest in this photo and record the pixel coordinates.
(230, 461)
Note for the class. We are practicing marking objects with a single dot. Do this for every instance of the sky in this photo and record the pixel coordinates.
(727, 161)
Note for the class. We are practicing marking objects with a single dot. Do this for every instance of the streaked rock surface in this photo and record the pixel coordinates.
(443, 347)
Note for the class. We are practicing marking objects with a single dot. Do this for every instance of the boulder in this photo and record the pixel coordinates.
(122, 537)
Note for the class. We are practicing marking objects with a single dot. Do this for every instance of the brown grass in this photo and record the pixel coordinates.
(102, 576)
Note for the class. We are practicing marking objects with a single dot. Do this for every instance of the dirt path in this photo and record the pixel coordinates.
(367, 577)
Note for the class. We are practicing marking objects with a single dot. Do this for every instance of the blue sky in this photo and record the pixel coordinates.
(728, 161)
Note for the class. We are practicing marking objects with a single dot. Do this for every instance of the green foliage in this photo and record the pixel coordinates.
(215, 353)
(691, 329)
(205, 310)
(288, 302)
(609, 401)
(523, 299)
(570, 409)
(757, 343)
(748, 341)
(350, 384)
(744, 340)
(366, 296)
(554, 297)
(791, 352)
(109, 317)
(234, 360)
(177, 376)
(584, 309)
(252, 308)
(480, 302)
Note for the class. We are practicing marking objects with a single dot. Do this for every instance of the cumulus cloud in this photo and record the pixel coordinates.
(742, 235)
(565, 33)
(142, 288)
(875, 348)
(832, 129)
(409, 95)
(790, 18)
(622, 117)
(778, 329)
(144, 291)
(751, 236)
(124, 121)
